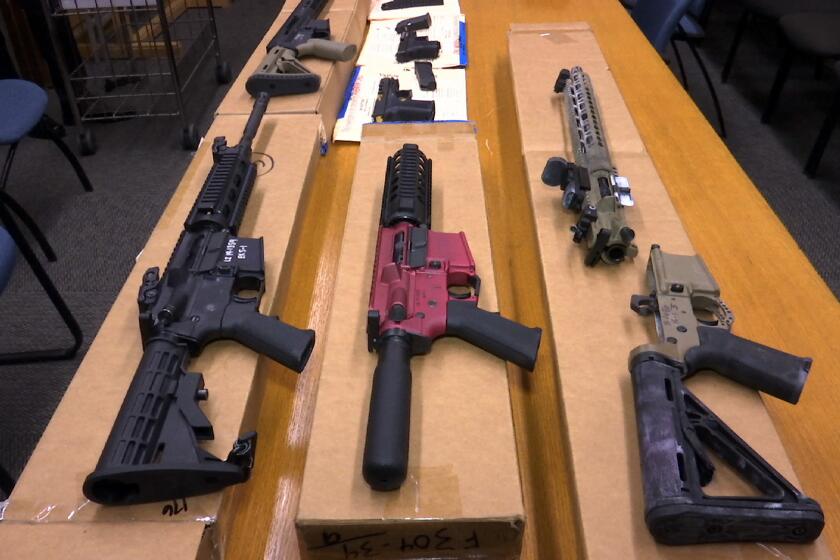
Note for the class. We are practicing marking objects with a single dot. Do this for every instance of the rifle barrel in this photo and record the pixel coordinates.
(250, 132)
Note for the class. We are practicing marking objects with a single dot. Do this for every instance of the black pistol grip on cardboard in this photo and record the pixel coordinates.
(279, 341)
(505, 339)
(749, 363)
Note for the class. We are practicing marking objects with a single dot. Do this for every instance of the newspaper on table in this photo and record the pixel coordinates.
(383, 40)
(433, 7)
(450, 97)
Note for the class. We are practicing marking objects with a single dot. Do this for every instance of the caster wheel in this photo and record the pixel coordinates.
(87, 142)
(223, 73)
(190, 138)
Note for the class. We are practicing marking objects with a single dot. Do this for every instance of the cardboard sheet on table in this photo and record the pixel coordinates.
(597, 393)
(462, 463)
(334, 75)
(556, 48)
(64, 541)
(50, 487)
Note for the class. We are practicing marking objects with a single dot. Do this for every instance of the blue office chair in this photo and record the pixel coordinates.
(22, 106)
(22, 113)
(666, 22)
(8, 257)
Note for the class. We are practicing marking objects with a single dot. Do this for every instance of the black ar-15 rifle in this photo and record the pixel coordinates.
(152, 453)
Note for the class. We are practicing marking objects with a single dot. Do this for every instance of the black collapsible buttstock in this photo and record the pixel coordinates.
(385, 463)
(751, 364)
(152, 453)
(282, 84)
(505, 339)
(673, 426)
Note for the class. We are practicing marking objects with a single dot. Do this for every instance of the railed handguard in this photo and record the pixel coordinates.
(152, 453)
(591, 186)
(424, 286)
(674, 426)
(302, 34)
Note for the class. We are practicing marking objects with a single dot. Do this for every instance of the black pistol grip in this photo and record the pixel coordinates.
(152, 452)
(505, 339)
(751, 364)
(385, 462)
(279, 341)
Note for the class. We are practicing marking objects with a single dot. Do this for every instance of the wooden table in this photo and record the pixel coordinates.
(776, 294)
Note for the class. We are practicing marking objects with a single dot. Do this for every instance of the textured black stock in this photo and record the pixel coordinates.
(268, 335)
(505, 339)
(152, 453)
(672, 427)
(751, 364)
(386, 445)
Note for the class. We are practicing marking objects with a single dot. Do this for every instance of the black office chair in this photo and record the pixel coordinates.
(811, 34)
(670, 21)
(826, 130)
(770, 10)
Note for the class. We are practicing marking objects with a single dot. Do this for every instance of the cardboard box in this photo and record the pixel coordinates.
(595, 382)
(463, 494)
(48, 500)
(327, 101)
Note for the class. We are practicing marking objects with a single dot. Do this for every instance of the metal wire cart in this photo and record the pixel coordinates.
(133, 58)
